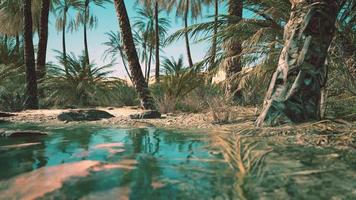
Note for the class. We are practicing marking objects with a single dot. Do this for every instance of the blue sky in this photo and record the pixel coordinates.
(108, 22)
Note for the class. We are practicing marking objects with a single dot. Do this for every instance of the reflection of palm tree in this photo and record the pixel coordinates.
(157, 139)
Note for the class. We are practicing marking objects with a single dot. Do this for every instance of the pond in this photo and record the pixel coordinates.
(93, 162)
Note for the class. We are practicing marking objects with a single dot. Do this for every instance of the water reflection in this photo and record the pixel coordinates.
(123, 163)
(82, 162)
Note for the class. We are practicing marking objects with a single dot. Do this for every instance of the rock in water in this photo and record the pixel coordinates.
(152, 114)
(22, 133)
(5, 114)
(84, 115)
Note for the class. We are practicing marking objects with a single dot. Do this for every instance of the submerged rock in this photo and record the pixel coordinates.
(5, 114)
(84, 115)
(21, 133)
(152, 114)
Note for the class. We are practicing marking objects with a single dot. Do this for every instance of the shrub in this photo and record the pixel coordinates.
(81, 84)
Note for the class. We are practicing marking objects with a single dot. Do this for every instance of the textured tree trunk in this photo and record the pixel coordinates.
(64, 34)
(295, 90)
(43, 39)
(233, 50)
(86, 14)
(189, 55)
(31, 101)
(149, 65)
(157, 42)
(125, 65)
(213, 45)
(64, 40)
(134, 63)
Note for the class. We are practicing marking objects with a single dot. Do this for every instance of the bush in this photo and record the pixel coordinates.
(175, 85)
(81, 84)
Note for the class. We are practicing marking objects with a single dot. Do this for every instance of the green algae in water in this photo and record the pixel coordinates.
(88, 162)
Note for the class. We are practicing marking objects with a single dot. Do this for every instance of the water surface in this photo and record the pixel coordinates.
(92, 162)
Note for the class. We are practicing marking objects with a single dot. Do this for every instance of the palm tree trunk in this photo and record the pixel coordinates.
(233, 51)
(43, 39)
(214, 42)
(64, 35)
(134, 63)
(295, 90)
(31, 101)
(157, 42)
(125, 65)
(189, 55)
(64, 40)
(149, 65)
(86, 14)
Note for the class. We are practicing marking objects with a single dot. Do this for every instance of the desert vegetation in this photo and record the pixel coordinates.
(270, 67)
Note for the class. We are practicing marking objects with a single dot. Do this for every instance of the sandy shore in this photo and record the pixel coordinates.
(121, 119)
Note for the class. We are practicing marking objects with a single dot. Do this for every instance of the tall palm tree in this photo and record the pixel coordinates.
(146, 25)
(88, 21)
(157, 5)
(214, 38)
(31, 101)
(183, 9)
(43, 38)
(62, 8)
(233, 50)
(131, 53)
(295, 90)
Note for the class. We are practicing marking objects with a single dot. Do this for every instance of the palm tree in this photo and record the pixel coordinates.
(131, 53)
(88, 21)
(146, 25)
(83, 85)
(233, 50)
(295, 90)
(11, 16)
(31, 101)
(157, 4)
(183, 9)
(62, 8)
(214, 38)
(43, 39)
(115, 46)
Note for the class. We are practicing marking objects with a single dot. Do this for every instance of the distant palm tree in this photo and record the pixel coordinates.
(88, 21)
(183, 9)
(132, 58)
(31, 101)
(115, 47)
(62, 8)
(157, 5)
(146, 25)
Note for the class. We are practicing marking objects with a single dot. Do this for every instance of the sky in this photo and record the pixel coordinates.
(107, 21)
